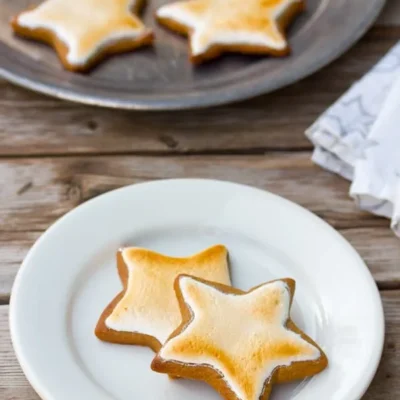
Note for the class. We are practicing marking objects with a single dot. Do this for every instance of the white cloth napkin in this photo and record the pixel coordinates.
(358, 138)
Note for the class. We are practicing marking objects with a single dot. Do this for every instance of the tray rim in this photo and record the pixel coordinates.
(213, 97)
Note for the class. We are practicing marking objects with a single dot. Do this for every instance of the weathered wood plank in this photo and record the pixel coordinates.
(32, 124)
(386, 385)
(13, 384)
(390, 14)
(13, 248)
(38, 191)
(377, 245)
(380, 249)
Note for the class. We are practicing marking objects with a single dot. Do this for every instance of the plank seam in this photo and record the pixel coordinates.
(256, 151)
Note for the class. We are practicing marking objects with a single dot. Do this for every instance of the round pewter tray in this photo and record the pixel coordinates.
(162, 77)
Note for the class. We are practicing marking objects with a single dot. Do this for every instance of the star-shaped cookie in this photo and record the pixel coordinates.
(217, 26)
(84, 31)
(146, 312)
(241, 343)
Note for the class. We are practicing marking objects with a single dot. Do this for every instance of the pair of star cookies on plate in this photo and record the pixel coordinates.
(85, 31)
(241, 343)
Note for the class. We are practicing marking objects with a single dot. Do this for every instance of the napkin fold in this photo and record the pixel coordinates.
(358, 138)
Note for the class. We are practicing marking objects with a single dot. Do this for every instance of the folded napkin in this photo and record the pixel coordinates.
(358, 138)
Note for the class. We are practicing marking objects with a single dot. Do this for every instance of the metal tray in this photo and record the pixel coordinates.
(163, 78)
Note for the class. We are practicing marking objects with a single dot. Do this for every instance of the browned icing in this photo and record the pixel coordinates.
(252, 16)
(281, 350)
(243, 336)
(269, 308)
(150, 294)
(196, 6)
(88, 21)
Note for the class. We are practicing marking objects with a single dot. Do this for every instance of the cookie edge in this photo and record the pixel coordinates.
(213, 377)
(106, 334)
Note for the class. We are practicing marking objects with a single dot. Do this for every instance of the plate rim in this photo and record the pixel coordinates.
(32, 376)
(202, 99)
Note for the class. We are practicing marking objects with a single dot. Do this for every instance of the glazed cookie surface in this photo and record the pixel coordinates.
(146, 312)
(83, 32)
(241, 343)
(218, 26)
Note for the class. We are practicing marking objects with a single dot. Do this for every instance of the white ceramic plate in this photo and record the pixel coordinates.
(69, 276)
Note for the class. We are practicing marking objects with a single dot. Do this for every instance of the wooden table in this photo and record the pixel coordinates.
(54, 155)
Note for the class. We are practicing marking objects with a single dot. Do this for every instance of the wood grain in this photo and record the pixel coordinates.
(386, 385)
(32, 124)
(40, 190)
(55, 155)
(377, 245)
(391, 14)
(13, 384)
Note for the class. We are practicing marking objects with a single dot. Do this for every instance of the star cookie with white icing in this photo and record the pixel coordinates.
(83, 32)
(218, 26)
(241, 343)
(146, 312)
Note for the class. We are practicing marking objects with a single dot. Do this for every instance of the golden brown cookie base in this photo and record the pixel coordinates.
(297, 370)
(217, 50)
